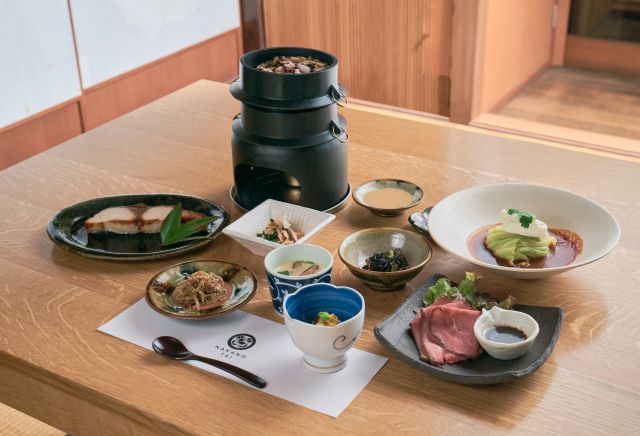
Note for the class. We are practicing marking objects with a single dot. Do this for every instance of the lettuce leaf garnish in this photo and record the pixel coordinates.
(467, 290)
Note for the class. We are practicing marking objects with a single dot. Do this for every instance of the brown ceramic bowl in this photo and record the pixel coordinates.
(357, 247)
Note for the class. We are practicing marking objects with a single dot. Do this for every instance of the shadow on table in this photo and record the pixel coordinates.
(503, 406)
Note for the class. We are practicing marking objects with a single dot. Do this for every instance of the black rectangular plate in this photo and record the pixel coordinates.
(395, 334)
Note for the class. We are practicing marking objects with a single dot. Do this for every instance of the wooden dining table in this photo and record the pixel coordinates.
(55, 365)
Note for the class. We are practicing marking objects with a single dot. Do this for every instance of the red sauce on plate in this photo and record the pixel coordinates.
(569, 246)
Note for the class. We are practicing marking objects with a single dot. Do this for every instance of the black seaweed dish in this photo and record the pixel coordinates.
(394, 333)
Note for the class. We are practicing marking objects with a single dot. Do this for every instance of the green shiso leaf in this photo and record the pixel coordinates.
(173, 231)
(171, 222)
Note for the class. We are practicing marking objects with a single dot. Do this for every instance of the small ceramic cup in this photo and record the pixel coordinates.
(281, 285)
(511, 318)
(324, 348)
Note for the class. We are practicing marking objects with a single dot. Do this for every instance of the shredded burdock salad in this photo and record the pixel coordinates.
(200, 289)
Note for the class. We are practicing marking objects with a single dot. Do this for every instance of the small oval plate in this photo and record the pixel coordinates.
(160, 288)
(66, 228)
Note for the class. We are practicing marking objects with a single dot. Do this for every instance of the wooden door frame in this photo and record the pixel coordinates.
(559, 41)
(465, 33)
(252, 24)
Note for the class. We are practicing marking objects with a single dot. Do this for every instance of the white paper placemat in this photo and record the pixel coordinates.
(271, 354)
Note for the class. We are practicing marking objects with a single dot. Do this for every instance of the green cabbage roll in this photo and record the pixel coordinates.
(515, 248)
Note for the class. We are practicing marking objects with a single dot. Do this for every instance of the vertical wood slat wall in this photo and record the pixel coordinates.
(213, 59)
(392, 52)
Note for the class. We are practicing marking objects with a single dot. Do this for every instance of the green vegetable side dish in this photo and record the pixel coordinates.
(517, 248)
(467, 290)
(326, 319)
(324, 315)
(525, 218)
(173, 230)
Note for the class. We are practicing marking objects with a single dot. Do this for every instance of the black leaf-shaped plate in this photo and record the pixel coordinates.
(395, 334)
(66, 228)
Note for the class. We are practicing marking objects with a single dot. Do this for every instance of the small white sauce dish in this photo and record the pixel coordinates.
(497, 317)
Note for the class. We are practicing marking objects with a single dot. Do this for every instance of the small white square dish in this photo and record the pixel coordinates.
(245, 229)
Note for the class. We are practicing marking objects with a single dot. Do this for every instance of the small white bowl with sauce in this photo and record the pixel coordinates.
(505, 334)
(388, 197)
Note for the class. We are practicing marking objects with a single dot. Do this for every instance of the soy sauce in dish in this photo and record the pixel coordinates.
(568, 247)
(505, 334)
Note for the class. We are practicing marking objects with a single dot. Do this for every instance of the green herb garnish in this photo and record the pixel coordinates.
(273, 237)
(324, 315)
(525, 218)
(284, 273)
(173, 230)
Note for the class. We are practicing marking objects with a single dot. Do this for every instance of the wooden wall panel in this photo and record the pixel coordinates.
(517, 46)
(215, 59)
(27, 138)
(605, 55)
(464, 39)
(391, 52)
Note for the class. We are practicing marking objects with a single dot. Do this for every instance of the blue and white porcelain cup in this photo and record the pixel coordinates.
(324, 348)
(281, 285)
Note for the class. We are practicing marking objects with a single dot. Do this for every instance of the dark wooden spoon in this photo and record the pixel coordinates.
(172, 348)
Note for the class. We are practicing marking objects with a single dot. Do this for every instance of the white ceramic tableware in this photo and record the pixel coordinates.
(455, 218)
(324, 348)
(497, 317)
(302, 219)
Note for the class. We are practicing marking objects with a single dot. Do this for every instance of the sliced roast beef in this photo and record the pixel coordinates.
(444, 332)
(416, 331)
(436, 353)
(452, 329)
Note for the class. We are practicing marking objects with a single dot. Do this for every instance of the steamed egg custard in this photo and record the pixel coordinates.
(524, 241)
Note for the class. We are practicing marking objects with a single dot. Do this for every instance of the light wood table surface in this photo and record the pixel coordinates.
(55, 366)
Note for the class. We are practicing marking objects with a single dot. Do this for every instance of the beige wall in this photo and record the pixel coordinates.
(514, 43)
(395, 52)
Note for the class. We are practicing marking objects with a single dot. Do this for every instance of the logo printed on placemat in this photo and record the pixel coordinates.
(241, 341)
(235, 344)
